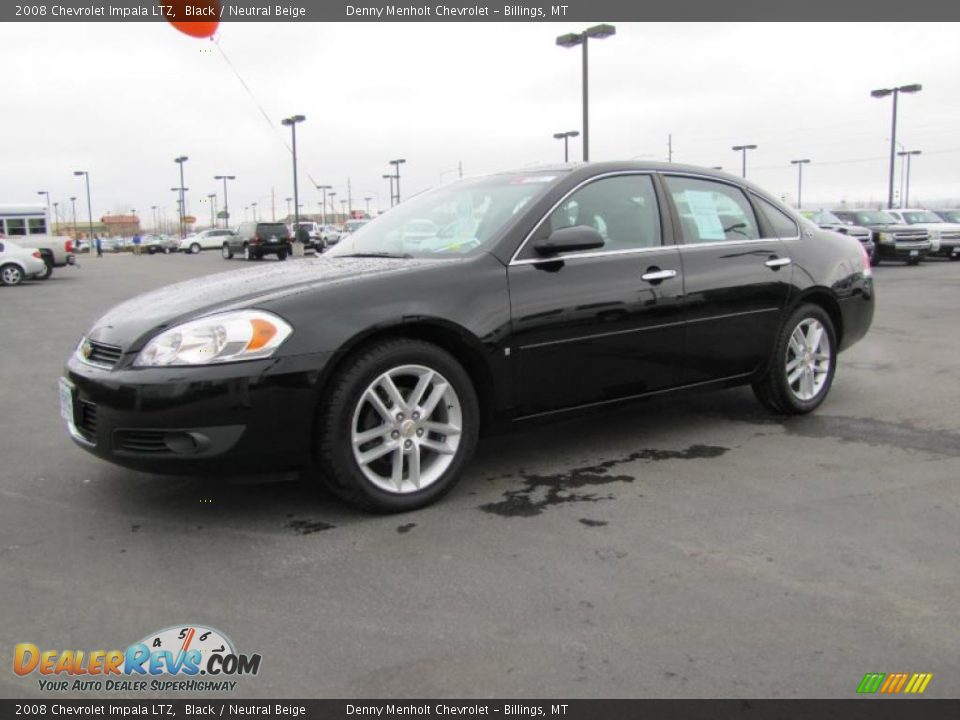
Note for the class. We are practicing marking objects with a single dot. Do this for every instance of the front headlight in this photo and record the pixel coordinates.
(886, 238)
(227, 337)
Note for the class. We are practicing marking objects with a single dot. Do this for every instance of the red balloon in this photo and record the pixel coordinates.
(203, 28)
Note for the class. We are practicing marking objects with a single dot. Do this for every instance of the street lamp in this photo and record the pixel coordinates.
(226, 208)
(212, 197)
(882, 93)
(323, 210)
(86, 176)
(256, 218)
(289, 200)
(333, 205)
(743, 149)
(44, 192)
(390, 178)
(597, 32)
(56, 213)
(565, 136)
(366, 202)
(905, 200)
(396, 174)
(180, 161)
(292, 123)
(800, 164)
(73, 202)
(156, 228)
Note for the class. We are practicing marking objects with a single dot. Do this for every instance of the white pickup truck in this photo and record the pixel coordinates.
(56, 251)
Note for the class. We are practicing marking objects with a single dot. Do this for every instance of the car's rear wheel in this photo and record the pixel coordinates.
(195, 248)
(48, 269)
(247, 252)
(803, 363)
(226, 252)
(281, 255)
(11, 275)
(398, 427)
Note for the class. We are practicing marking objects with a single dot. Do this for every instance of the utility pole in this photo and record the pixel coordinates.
(670, 148)
(349, 198)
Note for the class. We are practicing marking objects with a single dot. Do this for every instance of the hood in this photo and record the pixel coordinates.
(890, 227)
(127, 324)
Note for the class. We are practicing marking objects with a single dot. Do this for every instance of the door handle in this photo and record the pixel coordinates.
(656, 275)
(776, 262)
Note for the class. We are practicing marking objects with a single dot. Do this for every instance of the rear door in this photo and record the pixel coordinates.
(598, 325)
(737, 277)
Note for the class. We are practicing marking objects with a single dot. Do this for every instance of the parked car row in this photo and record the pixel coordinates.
(907, 235)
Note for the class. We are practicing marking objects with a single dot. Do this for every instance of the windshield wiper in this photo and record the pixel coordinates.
(398, 256)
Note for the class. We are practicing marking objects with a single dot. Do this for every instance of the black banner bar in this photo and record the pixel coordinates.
(853, 709)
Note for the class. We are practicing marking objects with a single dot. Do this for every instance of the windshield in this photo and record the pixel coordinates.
(912, 218)
(452, 220)
(871, 217)
(950, 215)
(822, 217)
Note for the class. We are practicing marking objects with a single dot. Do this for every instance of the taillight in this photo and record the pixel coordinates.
(867, 269)
(36, 254)
(256, 238)
(68, 246)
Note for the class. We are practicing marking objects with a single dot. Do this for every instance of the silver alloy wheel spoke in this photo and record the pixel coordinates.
(808, 359)
(406, 429)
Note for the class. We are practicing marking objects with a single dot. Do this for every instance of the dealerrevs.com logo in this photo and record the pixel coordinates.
(186, 658)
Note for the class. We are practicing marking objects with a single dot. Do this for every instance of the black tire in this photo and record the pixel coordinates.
(773, 389)
(955, 256)
(11, 274)
(333, 450)
(281, 255)
(248, 254)
(914, 261)
(875, 257)
(48, 271)
(226, 252)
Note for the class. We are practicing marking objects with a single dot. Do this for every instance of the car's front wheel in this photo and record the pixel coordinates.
(398, 427)
(803, 363)
(226, 252)
(11, 275)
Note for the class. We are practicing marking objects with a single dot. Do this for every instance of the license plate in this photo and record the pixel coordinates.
(913, 253)
(66, 399)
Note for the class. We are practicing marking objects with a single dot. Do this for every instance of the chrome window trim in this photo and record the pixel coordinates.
(615, 173)
(585, 254)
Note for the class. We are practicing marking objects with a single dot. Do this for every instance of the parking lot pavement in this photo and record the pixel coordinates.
(691, 546)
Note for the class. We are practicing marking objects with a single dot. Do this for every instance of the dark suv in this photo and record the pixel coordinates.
(892, 240)
(253, 240)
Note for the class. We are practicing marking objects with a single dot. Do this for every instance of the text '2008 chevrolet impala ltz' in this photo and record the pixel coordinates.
(517, 295)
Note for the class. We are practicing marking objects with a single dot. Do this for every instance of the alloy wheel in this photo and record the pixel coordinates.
(808, 359)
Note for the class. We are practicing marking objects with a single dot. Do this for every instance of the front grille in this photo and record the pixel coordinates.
(141, 441)
(916, 236)
(103, 354)
(950, 236)
(87, 419)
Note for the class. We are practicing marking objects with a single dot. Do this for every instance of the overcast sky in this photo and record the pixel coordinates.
(123, 100)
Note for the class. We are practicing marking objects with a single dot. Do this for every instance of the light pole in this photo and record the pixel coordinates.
(226, 208)
(44, 192)
(289, 200)
(333, 205)
(212, 197)
(565, 136)
(366, 202)
(597, 32)
(56, 214)
(390, 178)
(292, 123)
(743, 149)
(396, 174)
(73, 202)
(905, 200)
(256, 218)
(156, 227)
(86, 176)
(323, 210)
(180, 161)
(800, 164)
(882, 93)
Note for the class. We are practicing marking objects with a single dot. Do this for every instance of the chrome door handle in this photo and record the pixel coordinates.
(777, 262)
(657, 275)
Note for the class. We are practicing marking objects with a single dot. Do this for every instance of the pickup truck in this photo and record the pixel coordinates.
(56, 251)
(892, 239)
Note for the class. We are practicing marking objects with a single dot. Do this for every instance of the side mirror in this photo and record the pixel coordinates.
(569, 239)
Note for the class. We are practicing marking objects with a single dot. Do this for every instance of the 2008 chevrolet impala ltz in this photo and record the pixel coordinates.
(377, 365)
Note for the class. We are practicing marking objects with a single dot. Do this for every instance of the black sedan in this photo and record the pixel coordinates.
(377, 366)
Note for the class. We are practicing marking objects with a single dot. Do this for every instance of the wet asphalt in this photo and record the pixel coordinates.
(690, 546)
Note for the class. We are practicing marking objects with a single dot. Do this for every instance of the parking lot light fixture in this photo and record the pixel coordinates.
(390, 178)
(226, 208)
(743, 150)
(44, 192)
(86, 176)
(73, 202)
(905, 200)
(570, 40)
(212, 197)
(565, 136)
(800, 164)
(323, 209)
(396, 174)
(291, 122)
(895, 91)
(180, 161)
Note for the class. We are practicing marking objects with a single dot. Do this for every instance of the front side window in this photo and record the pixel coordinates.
(712, 211)
(913, 218)
(623, 209)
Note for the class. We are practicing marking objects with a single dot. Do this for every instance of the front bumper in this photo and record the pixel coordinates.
(255, 416)
(903, 250)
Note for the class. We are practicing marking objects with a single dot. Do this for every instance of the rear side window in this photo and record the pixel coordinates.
(783, 225)
(712, 211)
